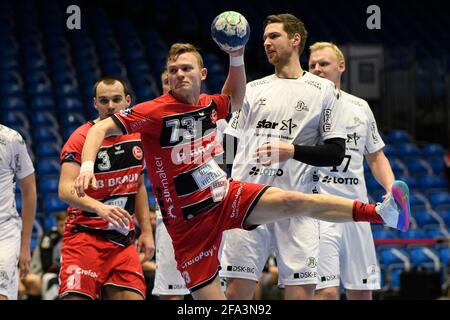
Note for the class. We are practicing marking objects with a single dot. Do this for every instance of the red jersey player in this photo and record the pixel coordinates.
(198, 203)
(98, 252)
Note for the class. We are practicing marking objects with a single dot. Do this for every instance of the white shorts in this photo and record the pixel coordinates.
(295, 242)
(9, 257)
(347, 253)
(168, 280)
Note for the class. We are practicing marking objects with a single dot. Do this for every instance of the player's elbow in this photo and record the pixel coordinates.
(337, 146)
(339, 157)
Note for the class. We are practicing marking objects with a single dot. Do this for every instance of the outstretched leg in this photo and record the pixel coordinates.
(277, 204)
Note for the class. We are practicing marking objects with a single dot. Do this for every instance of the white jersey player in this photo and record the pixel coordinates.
(289, 109)
(15, 233)
(347, 251)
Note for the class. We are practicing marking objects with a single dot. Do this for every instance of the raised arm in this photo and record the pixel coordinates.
(94, 139)
(236, 81)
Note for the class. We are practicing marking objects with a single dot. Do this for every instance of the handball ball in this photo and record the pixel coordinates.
(230, 30)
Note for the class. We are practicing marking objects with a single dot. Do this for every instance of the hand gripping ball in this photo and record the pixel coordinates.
(230, 30)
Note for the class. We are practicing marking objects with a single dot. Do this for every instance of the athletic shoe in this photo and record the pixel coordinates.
(395, 209)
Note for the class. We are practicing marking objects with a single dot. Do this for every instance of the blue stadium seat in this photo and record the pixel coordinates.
(399, 136)
(413, 234)
(44, 118)
(445, 215)
(40, 88)
(384, 234)
(406, 150)
(70, 104)
(424, 218)
(398, 167)
(48, 184)
(437, 164)
(423, 256)
(389, 256)
(47, 134)
(418, 167)
(73, 119)
(416, 198)
(410, 181)
(15, 118)
(12, 89)
(394, 274)
(48, 166)
(36, 234)
(67, 131)
(42, 103)
(13, 103)
(18, 203)
(444, 256)
(433, 150)
(372, 184)
(439, 198)
(151, 201)
(66, 90)
(432, 182)
(436, 231)
(47, 149)
(52, 204)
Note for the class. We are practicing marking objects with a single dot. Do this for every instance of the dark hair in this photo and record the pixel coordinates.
(292, 25)
(110, 80)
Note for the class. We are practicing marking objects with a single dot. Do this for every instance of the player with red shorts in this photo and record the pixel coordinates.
(99, 259)
(197, 201)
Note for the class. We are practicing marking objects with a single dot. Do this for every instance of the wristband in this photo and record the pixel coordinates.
(237, 61)
(87, 166)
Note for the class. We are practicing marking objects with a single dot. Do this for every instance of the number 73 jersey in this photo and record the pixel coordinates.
(347, 179)
(180, 144)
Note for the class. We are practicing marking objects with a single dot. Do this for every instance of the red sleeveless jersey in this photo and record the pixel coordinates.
(180, 144)
(118, 167)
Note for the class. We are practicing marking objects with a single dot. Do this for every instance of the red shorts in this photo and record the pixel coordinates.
(196, 244)
(89, 262)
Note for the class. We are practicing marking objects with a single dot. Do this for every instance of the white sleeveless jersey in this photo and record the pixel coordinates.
(304, 111)
(15, 163)
(347, 180)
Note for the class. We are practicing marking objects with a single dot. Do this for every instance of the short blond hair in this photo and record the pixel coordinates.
(178, 49)
(322, 45)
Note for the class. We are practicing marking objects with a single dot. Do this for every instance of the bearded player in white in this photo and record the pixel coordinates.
(347, 251)
(289, 119)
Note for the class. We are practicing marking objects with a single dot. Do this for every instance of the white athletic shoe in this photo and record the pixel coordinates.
(395, 209)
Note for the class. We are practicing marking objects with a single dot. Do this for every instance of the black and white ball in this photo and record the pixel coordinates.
(230, 30)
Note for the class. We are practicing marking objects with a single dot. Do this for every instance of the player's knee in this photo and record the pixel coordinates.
(238, 289)
(327, 294)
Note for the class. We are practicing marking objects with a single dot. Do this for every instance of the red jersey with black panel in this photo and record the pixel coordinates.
(180, 144)
(118, 167)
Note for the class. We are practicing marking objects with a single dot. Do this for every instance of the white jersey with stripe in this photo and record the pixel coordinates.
(347, 179)
(15, 163)
(304, 111)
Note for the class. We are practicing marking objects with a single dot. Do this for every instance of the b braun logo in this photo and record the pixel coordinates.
(268, 172)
